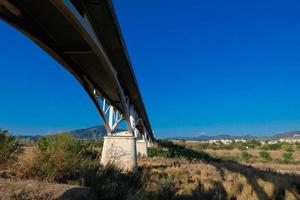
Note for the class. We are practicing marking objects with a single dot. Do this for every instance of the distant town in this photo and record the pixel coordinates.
(294, 139)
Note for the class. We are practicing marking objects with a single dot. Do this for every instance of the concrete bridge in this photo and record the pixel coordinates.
(85, 38)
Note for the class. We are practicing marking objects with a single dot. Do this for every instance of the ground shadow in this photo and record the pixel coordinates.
(79, 193)
(216, 192)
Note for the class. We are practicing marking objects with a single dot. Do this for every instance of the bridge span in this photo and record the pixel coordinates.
(84, 36)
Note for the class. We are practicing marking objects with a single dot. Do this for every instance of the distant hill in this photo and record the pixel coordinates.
(289, 134)
(94, 132)
(216, 137)
(28, 137)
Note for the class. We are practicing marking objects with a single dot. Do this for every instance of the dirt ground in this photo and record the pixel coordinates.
(28, 190)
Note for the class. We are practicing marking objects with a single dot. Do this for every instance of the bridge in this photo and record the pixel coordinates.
(85, 38)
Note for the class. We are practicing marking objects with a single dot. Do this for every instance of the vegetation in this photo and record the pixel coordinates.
(173, 171)
(9, 148)
(250, 144)
(168, 149)
(287, 157)
(246, 156)
(297, 144)
(158, 152)
(276, 146)
(209, 178)
(265, 155)
(111, 182)
(60, 158)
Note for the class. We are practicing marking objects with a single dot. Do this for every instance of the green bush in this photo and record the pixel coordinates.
(274, 147)
(265, 155)
(239, 145)
(287, 157)
(253, 144)
(169, 149)
(203, 146)
(221, 145)
(9, 147)
(297, 145)
(288, 147)
(158, 152)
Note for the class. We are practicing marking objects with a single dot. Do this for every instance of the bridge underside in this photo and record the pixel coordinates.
(84, 36)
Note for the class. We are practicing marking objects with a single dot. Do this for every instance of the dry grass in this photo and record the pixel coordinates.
(235, 154)
(25, 161)
(219, 180)
(188, 175)
(195, 175)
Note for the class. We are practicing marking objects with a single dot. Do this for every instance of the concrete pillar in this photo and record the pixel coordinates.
(121, 151)
(141, 148)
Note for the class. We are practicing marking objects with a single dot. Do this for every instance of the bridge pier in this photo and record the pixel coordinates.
(120, 150)
(141, 148)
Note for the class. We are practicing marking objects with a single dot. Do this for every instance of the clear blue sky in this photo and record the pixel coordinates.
(208, 67)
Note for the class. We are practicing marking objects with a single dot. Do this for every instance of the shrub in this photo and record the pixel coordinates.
(168, 149)
(265, 155)
(8, 147)
(274, 147)
(246, 156)
(239, 145)
(221, 145)
(288, 147)
(287, 157)
(227, 147)
(158, 152)
(214, 146)
(175, 151)
(63, 159)
(253, 144)
(203, 146)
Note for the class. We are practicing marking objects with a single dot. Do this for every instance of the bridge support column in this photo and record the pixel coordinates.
(120, 150)
(141, 148)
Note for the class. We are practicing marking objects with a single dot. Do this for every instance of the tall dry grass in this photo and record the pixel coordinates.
(197, 176)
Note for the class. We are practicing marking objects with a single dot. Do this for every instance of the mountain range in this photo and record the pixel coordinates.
(97, 132)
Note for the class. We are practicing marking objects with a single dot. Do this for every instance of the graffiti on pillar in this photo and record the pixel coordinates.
(116, 152)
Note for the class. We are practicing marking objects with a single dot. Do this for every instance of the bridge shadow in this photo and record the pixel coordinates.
(79, 193)
(281, 182)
